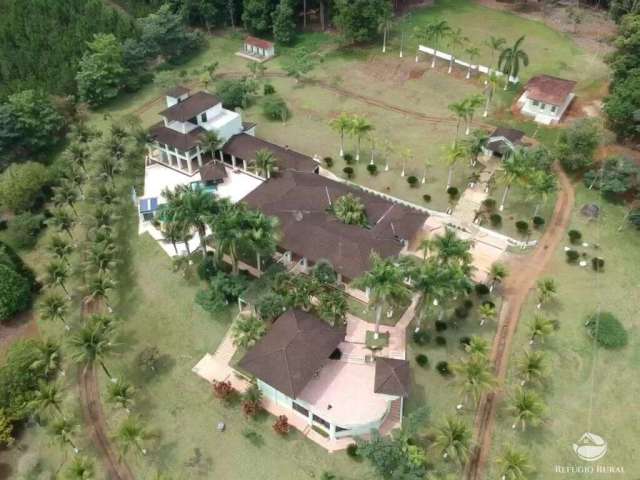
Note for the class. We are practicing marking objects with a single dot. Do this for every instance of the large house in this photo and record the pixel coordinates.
(546, 98)
(302, 365)
(310, 232)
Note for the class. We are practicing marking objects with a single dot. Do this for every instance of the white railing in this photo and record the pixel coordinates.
(479, 68)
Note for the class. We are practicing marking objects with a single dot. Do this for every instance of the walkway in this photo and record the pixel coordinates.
(471, 201)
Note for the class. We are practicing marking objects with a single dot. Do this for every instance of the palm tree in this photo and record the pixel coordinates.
(527, 407)
(247, 330)
(452, 250)
(514, 464)
(81, 468)
(194, 208)
(497, 274)
(62, 220)
(211, 142)
(385, 284)
(54, 307)
(101, 257)
(359, 127)
(46, 397)
(230, 231)
(547, 289)
(98, 288)
(109, 161)
(459, 109)
(540, 185)
(475, 145)
(384, 21)
(407, 157)
(349, 209)
(77, 154)
(478, 346)
(453, 439)
(472, 103)
(65, 194)
(495, 44)
(132, 434)
(173, 232)
(57, 273)
(426, 245)
(341, 124)
(453, 154)
(492, 83)
(60, 248)
(93, 343)
(388, 149)
(455, 40)
(48, 358)
(121, 394)
(514, 168)
(475, 378)
(62, 430)
(262, 235)
(532, 367)
(473, 52)
(435, 31)
(539, 328)
(487, 311)
(266, 162)
(510, 60)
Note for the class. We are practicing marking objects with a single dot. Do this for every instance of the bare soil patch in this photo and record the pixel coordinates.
(22, 326)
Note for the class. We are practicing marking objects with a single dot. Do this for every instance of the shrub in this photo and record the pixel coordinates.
(489, 303)
(495, 219)
(461, 312)
(412, 180)
(254, 437)
(575, 236)
(24, 229)
(426, 197)
(352, 450)
(324, 273)
(281, 426)
(538, 222)
(271, 306)
(275, 108)
(489, 204)
(422, 360)
(572, 256)
(607, 330)
(207, 268)
(15, 293)
(441, 341)
(453, 192)
(372, 168)
(481, 289)
(443, 368)
(597, 264)
(328, 161)
(348, 158)
(224, 390)
(468, 304)
(441, 326)
(421, 337)
(348, 171)
(22, 185)
(522, 227)
(268, 89)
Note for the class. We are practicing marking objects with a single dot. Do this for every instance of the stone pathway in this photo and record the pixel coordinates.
(472, 198)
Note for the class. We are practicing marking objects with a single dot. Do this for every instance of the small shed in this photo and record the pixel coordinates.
(213, 173)
(258, 49)
(503, 140)
(546, 98)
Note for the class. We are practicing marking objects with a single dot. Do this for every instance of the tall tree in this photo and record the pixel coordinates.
(453, 439)
(358, 20)
(475, 378)
(514, 169)
(514, 464)
(359, 127)
(435, 32)
(46, 398)
(532, 367)
(257, 15)
(495, 44)
(62, 429)
(92, 344)
(54, 307)
(57, 273)
(102, 72)
(132, 435)
(284, 25)
(453, 155)
(342, 125)
(527, 407)
(385, 284)
(512, 59)
(266, 162)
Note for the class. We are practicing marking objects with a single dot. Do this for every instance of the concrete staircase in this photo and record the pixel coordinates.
(394, 418)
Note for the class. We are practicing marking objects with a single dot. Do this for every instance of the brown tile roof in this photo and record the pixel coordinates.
(548, 89)
(300, 202)
(177, 91)
(392, 377)
(181, 141)
(258, 42)
(213, 172)
(189, 108)
(245, 146)
(293, 350)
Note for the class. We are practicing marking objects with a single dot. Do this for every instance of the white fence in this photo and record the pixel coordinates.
(479, 68)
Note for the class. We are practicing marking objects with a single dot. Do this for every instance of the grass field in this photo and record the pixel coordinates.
(590, 389)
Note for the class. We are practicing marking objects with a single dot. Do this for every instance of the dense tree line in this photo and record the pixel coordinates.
(42, 41)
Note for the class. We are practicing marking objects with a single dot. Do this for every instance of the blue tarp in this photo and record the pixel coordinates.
(148, 205)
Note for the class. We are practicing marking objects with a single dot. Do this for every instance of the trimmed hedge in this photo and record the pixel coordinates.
(607, 330)
(15, 293)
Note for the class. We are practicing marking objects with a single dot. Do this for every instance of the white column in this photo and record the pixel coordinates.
(221, 155)
(244, 165)
(199, 155)
(332, 431)
(189, 166)
(233, 161)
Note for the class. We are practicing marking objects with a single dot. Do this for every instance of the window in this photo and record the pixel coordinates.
(554, 109)
(536, 103)
(203, 117)
(321, 421)
(300, 409)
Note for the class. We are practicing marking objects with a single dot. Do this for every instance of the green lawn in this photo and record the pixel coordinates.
(614, 388)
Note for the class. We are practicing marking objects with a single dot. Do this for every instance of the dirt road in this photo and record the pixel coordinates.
(524, 272)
